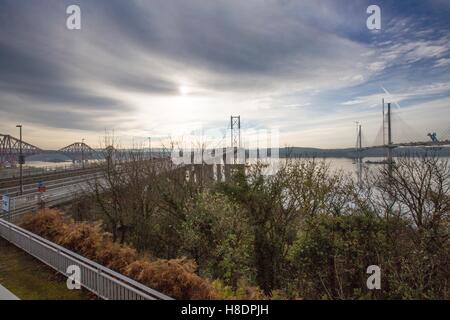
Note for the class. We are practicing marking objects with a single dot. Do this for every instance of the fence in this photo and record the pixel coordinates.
(30, 202)
(105, 283)
(30, 171)
(57, 194)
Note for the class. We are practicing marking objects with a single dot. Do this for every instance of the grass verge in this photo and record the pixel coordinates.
(30, 279)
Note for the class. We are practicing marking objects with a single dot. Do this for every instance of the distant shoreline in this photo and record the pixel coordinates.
(353, 153)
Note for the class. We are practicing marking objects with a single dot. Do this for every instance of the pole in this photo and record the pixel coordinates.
(150, 147)
(82, 153)
(21, 163)
(20, 159)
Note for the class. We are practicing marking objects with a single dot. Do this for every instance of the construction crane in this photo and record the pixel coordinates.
(433, 137)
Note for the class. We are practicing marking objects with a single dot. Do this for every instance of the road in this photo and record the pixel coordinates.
(58, 192)
(51, 184)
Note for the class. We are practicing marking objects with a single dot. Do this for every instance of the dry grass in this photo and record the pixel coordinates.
(82, 238)
(30, 279)
(116, 256)
(176, 278)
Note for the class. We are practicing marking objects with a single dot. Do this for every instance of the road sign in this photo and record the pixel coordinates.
(5, 203)
(41, 187)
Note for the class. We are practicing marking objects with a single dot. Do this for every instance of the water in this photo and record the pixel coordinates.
(350, 166)
(40, 167)
(346, 165)
(44, 164)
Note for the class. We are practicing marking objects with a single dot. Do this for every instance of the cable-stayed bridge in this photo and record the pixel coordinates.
(395, 132)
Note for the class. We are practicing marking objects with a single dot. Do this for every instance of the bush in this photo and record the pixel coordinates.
(217, 236)
(82, 238)
(48, 224)
(332, 253)
(175, 277)
(115, 256)
(243, 291)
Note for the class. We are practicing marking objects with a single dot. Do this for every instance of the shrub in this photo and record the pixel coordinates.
(47, 223)
(116, 256)
(175, 277)
(332, 254)
(244, 291)
(81, 238)
(217, 236)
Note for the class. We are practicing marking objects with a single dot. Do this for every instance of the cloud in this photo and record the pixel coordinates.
(352, 102)
(444, 62)
(273, 62)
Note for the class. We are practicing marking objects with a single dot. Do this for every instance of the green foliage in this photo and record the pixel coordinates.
(304, 232)
(217, 236)
(331, 254)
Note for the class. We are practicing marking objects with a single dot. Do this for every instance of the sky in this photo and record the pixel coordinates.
(168, 68)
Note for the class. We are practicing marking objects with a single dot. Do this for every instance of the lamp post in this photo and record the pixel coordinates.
(149, 147)
(82, 153)
(21, 159)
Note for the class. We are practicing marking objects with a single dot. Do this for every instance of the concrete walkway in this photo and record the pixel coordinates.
(5, 294)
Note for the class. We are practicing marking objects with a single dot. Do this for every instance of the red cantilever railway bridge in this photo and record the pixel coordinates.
(10, 150)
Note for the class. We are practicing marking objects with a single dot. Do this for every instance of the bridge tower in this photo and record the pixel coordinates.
(358, 141)
(389, 123)
(359, 159)
(235, 136)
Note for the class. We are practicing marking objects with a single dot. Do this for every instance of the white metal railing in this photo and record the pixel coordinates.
(28, 203)
(105, 283)
(53, 197)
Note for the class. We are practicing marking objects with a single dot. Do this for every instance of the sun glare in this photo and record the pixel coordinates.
(183, 90)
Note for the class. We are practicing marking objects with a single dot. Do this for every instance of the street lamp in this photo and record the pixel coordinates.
(82, 153)
(21, 159)
(150, 147)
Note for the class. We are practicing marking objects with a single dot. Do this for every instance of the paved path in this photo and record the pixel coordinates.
(5, 294)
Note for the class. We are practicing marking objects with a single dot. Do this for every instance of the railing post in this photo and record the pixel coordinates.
(99, 272)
